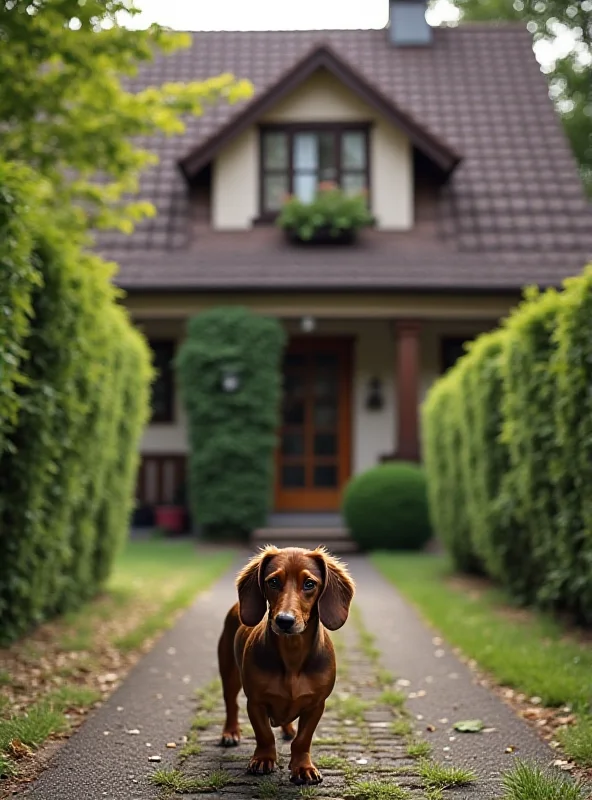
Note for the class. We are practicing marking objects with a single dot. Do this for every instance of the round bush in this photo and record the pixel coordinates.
(386, 508)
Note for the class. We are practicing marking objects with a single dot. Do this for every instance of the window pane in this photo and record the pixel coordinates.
(325, 444)
(275, 189)
(354, 183)
(293, 475)
(327, 157)
(293, 444)
(325, 476)
(305, 187)
(353, 152)
(306, 151)
(293, 412)
(162, 386)
(325, 414)
(275, 150)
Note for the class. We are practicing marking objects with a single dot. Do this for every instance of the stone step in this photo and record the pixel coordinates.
(336, 540)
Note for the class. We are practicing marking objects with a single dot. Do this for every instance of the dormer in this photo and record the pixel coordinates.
(321, 121)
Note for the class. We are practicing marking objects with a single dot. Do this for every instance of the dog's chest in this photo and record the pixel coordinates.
(288, 696)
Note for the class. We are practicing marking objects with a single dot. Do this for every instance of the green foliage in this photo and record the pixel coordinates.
(570, 75)
(442, 434)
(62, 63)
(515, 483)
(331, 210)
(231, 433)
(82, 372)
(386, 507)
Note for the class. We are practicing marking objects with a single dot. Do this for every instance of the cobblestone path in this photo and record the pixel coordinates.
(364, 746)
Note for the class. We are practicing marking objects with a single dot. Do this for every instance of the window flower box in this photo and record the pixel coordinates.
(333, 217)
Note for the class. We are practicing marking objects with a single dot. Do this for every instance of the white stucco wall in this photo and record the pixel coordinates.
(235, 178)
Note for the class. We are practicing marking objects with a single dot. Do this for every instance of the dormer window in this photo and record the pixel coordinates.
(296, 158)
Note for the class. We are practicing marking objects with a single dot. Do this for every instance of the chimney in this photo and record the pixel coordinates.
(408, 26)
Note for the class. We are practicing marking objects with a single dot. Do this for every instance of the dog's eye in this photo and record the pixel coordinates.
(274, 583)
(308, 585)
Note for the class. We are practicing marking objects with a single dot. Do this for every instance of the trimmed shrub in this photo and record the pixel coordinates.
(442, 415)
(484, 456)
(386, 508)
(58, 468)
(574, 434)
(232, 433)
(529, 559)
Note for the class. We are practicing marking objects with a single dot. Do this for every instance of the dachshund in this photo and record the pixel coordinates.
(282, 656)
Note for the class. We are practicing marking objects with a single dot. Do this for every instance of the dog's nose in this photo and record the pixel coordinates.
(285, 621)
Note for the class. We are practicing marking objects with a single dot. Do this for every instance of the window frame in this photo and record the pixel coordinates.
(168, 417)
(336, 128)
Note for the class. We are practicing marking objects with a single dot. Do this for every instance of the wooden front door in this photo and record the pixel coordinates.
(313, 457)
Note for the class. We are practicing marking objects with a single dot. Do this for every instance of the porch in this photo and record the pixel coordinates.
(352, 390)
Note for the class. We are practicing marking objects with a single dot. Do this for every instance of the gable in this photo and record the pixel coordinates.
(321, 99)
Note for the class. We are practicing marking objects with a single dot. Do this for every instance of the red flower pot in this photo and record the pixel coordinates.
(170, 518)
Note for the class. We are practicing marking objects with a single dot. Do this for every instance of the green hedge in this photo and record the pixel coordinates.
(508, 451)
(386, 508)
(79, 401)
(232, 434)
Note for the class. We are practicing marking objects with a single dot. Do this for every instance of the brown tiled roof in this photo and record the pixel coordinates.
(512, 212)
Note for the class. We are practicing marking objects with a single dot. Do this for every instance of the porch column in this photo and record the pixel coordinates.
(407, 370)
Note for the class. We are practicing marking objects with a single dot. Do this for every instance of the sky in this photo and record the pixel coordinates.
(207, 15)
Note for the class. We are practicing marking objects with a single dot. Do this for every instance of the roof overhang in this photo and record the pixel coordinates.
(438, 152)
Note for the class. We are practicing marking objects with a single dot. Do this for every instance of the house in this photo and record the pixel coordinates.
(470, 178)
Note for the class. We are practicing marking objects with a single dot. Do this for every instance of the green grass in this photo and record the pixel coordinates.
(377, 790)
(331, 762)
(175, 780)
(526, 782)
(384, 678)
(531, 654)
(437, 776)
(392, 698)
(418, 749)
(401, 727)
(307, 792)
(144, 571)
(349, 707)
(267, 789)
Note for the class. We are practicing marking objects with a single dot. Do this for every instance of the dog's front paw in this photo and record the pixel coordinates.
(261, 764)
(305, 774)
(230, 738)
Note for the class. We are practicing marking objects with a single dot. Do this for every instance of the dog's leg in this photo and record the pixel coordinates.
(231, 680)
(288, 732)
(302, 770)
(264, 757)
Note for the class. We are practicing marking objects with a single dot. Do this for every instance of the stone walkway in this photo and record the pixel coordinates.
(366, 747)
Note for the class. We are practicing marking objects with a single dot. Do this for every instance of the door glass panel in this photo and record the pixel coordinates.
(293, 412)
(293, 444)
(326, 360)
(325, 476)
(327, 165)
(353, 153)
(325, 414)
(325, 444)
(293, 475)
(294, 360)
(275, 189)
(305, 187)
(294, 385)
(275, 150)
(325, 386)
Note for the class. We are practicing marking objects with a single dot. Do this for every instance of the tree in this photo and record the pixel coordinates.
(65, 112)
(563, 31)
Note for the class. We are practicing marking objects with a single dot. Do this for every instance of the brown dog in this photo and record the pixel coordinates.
(283, 657)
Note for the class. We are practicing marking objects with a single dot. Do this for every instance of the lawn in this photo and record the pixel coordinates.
(52, 677)
(528, 651)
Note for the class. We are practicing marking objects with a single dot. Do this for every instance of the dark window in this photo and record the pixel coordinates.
(453, 347)
(163, 387)
(296, 158)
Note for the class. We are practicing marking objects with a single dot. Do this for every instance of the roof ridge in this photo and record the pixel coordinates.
(462, 25)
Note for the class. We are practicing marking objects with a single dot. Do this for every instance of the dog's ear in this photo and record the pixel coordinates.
(252, 604)
(338, 590)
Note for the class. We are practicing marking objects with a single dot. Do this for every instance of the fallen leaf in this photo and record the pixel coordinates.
(171, 744)
(511, 748)
(430, 728)
(469, 726)
(18, 750)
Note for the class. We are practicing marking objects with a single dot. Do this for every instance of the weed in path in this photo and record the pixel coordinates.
(377, 790)
(526, 782)
(438, 776)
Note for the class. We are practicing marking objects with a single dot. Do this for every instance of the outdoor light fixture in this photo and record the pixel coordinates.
(308, 324)
(374, 399)
(230, 380)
